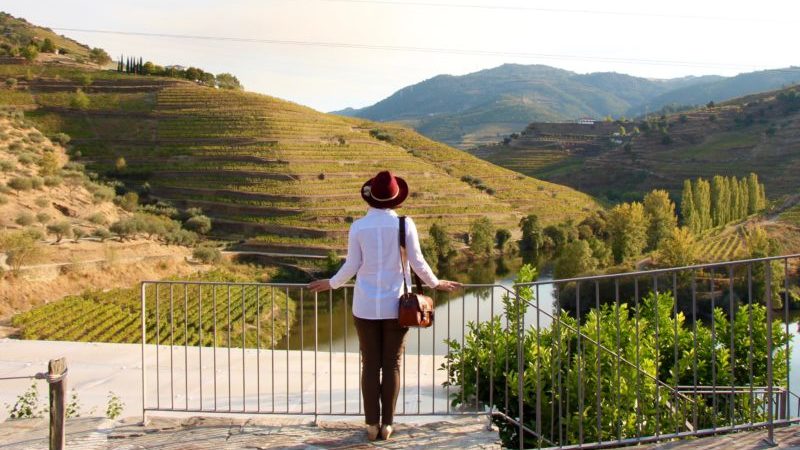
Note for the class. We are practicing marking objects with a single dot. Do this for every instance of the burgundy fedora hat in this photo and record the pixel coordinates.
(384, 190)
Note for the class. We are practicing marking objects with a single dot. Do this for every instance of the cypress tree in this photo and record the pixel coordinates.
(688, 209)
(141, 64)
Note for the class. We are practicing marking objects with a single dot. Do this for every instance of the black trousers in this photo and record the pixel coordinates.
(381, 343)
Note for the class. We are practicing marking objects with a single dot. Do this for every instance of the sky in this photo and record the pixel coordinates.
(656, 39)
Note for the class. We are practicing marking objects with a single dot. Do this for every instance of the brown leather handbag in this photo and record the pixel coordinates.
(416, 309)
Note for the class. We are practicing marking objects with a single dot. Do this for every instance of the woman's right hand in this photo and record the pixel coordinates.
(448, 286)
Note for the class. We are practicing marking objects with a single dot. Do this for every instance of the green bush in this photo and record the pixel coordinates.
(102, 234)
(128, 202)
(3, 199)
(6, 166)
(42, 202)
(61, 138)
(25, 218)
(79, 100)
(62, 229)
(198, 224)
(53, 181)
(37, 182)
(98, 218)
(43, 218)
(208, 255)
(557, 370)
(11, 83)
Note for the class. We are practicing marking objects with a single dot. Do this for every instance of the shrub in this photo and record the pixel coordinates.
(97, 218)
(99, 56)
(129, 201)
(25, 218)
(37, 182)
(20, 246)
(102, 234)
(43, 218)
(3, 199)
(11, 83)
(62, 229)
(79, 100)
(53, 181)
(123, 228)
(181, 237)
(26, 159)
(61, 138)
(198, 224)
(78, 233)
(85, 79)
(27, 405)
(6, 166)
(30, 52)
(206, 254)
(42, 202)
(49, 164)
(103, 193)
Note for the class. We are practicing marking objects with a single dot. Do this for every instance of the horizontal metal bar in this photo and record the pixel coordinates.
(684, 434)
(311, 413)
(642, 273)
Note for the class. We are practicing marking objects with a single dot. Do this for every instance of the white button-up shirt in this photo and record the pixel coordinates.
(373, 255)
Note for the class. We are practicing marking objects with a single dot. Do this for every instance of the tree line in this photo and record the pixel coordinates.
(705, 205)
(138, 66)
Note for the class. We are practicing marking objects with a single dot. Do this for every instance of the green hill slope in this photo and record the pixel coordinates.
(758, 133)
(282, 176)
(17, 32)
(485, 106)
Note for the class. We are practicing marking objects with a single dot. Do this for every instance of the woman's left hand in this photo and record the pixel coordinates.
(320, 285)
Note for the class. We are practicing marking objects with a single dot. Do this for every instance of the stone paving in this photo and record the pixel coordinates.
(297, 433)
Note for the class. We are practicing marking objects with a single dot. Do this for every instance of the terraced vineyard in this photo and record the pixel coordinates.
(195, 313)
(275, 173)
(731, 242)
(759, 133)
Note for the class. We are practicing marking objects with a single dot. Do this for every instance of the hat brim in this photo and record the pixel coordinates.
(393, 203)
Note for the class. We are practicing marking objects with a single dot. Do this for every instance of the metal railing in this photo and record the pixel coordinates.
(606, 360)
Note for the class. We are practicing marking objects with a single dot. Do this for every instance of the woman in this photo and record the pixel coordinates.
(373, 254)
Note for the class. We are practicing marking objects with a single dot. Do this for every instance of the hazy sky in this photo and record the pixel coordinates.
(647, 38)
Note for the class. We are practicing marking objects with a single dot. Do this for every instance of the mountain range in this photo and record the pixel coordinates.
(484, 106)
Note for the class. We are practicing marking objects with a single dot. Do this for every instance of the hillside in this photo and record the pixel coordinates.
(281, 176)
(758, 133)
(18, 32)
(483, 107)
(60, 193)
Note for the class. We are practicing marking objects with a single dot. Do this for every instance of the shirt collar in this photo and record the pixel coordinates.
(373, 210)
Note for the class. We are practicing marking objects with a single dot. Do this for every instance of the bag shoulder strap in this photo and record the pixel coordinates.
(404, 258)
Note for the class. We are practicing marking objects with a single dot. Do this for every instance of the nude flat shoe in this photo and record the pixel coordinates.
(372, 432)
(386, 431)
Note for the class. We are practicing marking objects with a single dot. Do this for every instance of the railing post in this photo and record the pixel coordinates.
(520, 366)
(770, 398)
(144, 340)
(57, 384)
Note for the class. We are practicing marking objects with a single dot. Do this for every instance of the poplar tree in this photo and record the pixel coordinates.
(660, 211)
(736, 199)
(628, 226)
(702, 200)
(718, 197)
(744, 200)
(752, 194)
(688, 208)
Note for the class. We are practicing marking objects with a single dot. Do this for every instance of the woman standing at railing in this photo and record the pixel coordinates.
(373, 255)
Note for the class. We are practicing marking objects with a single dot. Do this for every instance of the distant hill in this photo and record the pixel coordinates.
(485, 106)
(17, 32)
(622, 160)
